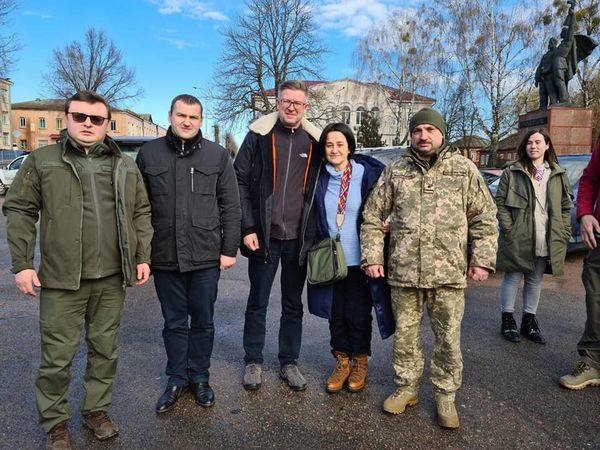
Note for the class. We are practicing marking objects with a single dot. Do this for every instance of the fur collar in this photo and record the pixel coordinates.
(263, 125)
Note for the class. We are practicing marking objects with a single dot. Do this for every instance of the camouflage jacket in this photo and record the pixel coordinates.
(433, 212)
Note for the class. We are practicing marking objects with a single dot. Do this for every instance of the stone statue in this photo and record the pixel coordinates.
(559, 64)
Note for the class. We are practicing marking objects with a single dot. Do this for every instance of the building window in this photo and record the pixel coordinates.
(5, 119)
(375, 112)
(346, 115)
(6, 139)
(59, 123)
(360, 112)
(42, 122)
(22, 123)
(113, 125)
(23, 144)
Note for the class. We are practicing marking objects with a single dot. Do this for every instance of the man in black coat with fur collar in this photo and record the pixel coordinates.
(277, 168)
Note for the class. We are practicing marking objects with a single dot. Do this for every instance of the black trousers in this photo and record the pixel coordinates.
(187, 300)
(589, 344)
(261, 276)
(350, 323)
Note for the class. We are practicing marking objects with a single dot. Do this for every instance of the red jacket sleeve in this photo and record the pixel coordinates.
(589, 183)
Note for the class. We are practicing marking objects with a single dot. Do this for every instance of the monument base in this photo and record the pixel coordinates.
(569, 127)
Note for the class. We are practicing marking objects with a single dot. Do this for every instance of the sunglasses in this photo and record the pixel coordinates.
(81, 118)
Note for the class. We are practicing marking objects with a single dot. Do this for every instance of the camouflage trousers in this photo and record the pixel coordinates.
(445, 307)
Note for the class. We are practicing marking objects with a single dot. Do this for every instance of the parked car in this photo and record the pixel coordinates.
(7, 175)
(130, 145)
(490, 175)
(574, 165)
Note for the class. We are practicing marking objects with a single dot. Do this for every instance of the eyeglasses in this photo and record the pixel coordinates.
(287, 103)
(81, 118)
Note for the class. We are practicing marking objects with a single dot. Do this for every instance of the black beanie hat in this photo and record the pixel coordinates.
(428, 116)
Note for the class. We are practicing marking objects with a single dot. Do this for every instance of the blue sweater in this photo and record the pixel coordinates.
(349, 234)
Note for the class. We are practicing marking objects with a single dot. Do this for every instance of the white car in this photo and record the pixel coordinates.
(7, 175)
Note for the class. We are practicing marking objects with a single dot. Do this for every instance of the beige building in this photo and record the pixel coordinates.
(38, 123)
(348, 101)
(5, 129)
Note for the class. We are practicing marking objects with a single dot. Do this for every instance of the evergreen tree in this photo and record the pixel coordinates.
(368, 133)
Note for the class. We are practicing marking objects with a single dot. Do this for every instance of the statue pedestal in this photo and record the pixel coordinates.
(569, 127)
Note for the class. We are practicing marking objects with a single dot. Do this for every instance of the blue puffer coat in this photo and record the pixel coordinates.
(320, 297)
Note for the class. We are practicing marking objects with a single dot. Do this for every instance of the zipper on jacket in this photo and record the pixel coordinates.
(98, 216)
(192, 177)
(285, 179)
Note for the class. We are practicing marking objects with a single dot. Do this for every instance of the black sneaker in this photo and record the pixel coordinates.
(531, 330)
(509, 327)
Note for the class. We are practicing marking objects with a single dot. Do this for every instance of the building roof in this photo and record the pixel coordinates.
(57, 104)
(52, 104)
(510, 142)
(472, 141)
(394, 94)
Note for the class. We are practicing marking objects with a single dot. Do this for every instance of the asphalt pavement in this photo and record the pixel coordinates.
(510, 395)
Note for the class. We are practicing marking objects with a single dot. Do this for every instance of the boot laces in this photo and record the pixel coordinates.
(59, 432)
(579, 368)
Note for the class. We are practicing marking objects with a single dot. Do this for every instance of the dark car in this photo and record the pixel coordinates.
(130, 145)
(574, 165)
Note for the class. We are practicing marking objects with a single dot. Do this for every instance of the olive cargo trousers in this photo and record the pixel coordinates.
(97, 304)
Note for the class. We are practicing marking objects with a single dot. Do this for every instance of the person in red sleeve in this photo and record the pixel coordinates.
(587, 370)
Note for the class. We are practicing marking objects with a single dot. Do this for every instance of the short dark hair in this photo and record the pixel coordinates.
(188, 100)
(87, 97)
(549, 155)
(295, 85)
(342, 128)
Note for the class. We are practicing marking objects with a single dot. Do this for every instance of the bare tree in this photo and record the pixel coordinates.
(95, 64)
(273, 40)
(490, 45)
(230, 144)
(8, 43)
(397, 53)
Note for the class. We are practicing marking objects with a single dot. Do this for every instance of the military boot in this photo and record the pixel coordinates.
(447, 417)
(340, 373)
(400, 399)
(583, 375)
(358, 373)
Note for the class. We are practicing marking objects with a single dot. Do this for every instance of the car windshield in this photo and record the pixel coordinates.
(574, 167)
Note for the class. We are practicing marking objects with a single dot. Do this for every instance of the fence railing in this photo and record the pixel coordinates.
(7, 156)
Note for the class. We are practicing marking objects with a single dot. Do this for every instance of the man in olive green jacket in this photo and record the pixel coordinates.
(436, 198)
(95, 234)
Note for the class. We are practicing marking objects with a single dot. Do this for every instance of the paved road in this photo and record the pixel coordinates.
(510, 396)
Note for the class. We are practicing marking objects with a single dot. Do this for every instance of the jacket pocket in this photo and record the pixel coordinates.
(158, 181)
(205, 238)
(204, 180)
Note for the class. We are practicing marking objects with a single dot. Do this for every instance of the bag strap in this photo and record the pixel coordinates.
(343, 197)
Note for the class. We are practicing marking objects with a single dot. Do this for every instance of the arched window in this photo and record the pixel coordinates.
(346, 115)
(360, 112)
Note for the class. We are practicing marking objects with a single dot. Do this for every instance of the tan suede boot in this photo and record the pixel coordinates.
(358, 374)
(340, 373)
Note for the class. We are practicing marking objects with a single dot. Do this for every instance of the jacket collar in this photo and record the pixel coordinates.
(518, 167)
(265, 124)
(108, 143)
(184, 148)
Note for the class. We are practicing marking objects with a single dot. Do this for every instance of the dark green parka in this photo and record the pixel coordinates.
(48, 186)
(516, 201)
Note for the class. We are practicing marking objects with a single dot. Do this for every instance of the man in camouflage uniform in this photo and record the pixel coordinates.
(435, 197)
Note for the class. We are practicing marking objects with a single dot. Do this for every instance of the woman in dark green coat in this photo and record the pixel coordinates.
(534, 202)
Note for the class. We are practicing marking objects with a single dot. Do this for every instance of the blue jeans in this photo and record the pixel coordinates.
(531, 288)
(261, 276)
(187, 300)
